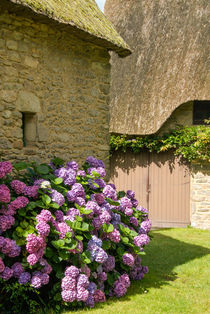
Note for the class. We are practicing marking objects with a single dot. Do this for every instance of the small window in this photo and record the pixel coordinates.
(201, 111)
(29, 129)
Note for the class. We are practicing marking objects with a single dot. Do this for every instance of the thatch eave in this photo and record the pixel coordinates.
(82, 17)
(169, 65)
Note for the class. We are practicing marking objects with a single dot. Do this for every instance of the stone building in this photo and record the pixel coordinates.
(55, 79)
(165, 82)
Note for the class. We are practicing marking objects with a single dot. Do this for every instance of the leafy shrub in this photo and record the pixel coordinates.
(66, 237)
(190, 143)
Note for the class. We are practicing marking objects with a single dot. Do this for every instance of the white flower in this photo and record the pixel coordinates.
(45, 185)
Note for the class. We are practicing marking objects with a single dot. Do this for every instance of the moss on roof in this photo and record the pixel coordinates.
(82, 14)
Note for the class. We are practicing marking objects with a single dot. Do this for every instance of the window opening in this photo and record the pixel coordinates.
(201, 111)
(28, 129)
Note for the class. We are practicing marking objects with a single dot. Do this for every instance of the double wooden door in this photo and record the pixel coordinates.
(161, 183)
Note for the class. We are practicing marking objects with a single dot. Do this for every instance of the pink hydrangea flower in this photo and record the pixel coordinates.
(18, 186)
(114, 236)
(5, 167)
(4, 194)
(69, 295)
(2, 267)
(99, 296)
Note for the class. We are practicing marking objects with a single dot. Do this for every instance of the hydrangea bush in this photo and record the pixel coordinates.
(67, 234)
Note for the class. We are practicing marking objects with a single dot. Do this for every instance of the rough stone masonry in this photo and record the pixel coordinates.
(59, 84)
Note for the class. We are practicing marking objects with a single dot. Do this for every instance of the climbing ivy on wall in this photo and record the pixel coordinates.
(189, 142)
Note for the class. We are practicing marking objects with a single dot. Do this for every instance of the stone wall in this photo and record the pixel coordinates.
(59, 85)
(200, 195)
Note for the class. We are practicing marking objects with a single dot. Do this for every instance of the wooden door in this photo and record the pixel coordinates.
(161, 184)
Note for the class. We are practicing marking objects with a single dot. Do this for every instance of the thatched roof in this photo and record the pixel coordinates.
(83, 15)
(169, 64)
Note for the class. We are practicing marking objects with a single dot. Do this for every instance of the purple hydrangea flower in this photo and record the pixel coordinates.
(141, 240)
(17, 269)
(6, 222)
(128, 211)
(61, 172)
(36, 282)
(119, 289)
(134, 202)
(63, 228)
(68, 295)
(146, 225)
(143, 210)
(128, 259)
(145, 269)
(90, 301)
(70, 177)
(130, 194)
(71, 214)
(71, 196)
(57, 197)
(6, 246)
(101, 171)
(101, 256)
(47, 268)
(31, 191)
(32, 259)
(1, 241)
(72, 271)
(92, 287)
(102, 276)
(7, 273)
(82, 294)
(81, 173)
(91, 205)
(105, 217)
(68, 283)
(109, 264)
(59, 215)
(15, 250)
(94, 162)
(24, 278)
(109, 192)
(72, 165)
(134, 221)
(125, 280)
(78, 189)
(86, 270)
(82, 281)
(44, 216)
(80, 201)
(95, 240)
(100, 198)
(45, 279)
(125, 202)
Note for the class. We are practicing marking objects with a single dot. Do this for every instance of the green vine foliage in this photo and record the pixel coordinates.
(191, 143)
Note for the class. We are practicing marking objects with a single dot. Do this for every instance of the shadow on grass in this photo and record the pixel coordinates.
(163, 254)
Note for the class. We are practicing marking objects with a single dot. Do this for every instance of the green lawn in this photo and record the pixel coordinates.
(178, 280)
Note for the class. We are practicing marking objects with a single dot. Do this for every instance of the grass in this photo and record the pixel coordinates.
(178, 280)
